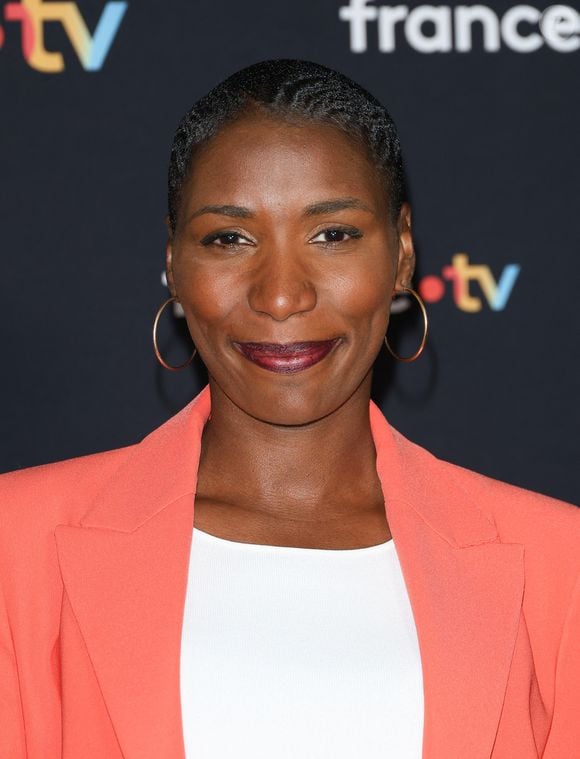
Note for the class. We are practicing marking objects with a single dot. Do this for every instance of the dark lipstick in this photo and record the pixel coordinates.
(286, 358)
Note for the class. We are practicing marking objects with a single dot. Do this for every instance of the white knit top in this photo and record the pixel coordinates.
(298, 653)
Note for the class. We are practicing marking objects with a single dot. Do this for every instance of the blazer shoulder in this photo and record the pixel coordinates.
(57, 492)
(519, 512)
(549, 528)
(33, 501)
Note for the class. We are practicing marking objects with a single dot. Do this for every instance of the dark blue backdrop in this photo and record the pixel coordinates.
(486, 101)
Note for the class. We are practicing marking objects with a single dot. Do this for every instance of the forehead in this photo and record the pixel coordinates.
(260, 161)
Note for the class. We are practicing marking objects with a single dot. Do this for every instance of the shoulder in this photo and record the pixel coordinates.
(519, 514)
(54, 493)
(33, 502)
(546, 527)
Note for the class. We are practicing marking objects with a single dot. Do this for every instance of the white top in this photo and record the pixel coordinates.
(298, 652)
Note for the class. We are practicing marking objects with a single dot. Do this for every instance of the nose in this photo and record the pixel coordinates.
(281, 287)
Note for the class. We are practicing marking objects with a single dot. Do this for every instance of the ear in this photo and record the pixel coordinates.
(169, 258)
(406, 256)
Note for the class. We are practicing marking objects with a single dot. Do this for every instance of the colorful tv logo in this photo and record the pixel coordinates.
(91, 50)
(461, 273)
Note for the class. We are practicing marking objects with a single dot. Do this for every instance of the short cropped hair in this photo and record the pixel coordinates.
(290, 89)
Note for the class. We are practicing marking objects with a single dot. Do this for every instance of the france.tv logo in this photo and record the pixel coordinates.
(460, 273)
(91, 49)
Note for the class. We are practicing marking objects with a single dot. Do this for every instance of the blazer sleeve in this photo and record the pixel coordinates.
(12, 740)
(564, 737)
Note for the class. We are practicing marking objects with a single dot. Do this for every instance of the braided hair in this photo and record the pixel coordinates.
(291, 90)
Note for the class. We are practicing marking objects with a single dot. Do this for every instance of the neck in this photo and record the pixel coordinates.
(312, 472)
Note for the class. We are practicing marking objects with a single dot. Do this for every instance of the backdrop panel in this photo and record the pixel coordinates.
(486, 101)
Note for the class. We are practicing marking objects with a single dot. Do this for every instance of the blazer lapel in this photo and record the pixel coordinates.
(465, 588)
(125, 572)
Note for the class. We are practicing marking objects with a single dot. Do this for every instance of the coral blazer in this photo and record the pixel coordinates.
(94, 558)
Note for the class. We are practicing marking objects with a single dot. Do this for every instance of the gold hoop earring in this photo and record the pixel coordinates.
(419, 350)
(155, 346)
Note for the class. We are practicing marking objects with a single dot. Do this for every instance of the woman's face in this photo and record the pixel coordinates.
(283, 239)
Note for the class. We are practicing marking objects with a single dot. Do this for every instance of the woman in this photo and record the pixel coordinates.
(283, 622)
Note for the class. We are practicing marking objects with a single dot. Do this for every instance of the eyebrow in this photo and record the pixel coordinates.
(336, 204)
(236, 212)
(315, 209)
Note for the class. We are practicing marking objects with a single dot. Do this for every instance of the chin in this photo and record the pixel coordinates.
(283, 404)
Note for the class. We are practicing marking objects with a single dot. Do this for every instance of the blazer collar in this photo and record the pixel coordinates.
(169, 457)
(125, 572)
(159, 470)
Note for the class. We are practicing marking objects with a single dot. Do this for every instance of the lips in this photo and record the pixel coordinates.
(286, 358)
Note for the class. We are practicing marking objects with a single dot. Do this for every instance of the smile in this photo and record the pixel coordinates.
(286, 358)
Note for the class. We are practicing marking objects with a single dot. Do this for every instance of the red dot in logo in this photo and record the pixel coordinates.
(431, 288)
(1, 36)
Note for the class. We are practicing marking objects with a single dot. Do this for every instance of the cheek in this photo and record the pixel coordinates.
(365, 299)
(208, 298)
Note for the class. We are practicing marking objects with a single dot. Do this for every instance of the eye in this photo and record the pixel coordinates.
(226, 239)
(336, 235)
